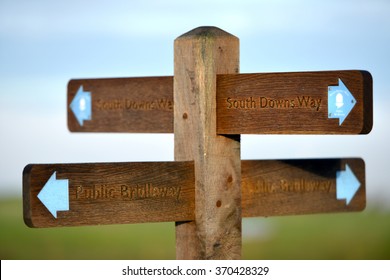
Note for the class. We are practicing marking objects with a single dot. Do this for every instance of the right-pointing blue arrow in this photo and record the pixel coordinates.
(55, 195)
(346, 184)
(340, 102)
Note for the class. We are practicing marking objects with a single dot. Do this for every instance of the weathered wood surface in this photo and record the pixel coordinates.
(125, 105)
(291, 187)
(273, 103)
(112, 193)
(199, 56)
(291, 103)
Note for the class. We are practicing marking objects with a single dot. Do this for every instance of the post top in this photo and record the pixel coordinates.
(206, 31)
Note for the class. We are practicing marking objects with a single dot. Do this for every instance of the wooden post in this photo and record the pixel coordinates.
(199, 56)
(204, 191)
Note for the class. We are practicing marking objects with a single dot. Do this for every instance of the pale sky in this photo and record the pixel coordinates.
(44, 44)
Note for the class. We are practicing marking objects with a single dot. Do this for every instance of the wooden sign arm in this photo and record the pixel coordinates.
(262, 103)
(137, 192)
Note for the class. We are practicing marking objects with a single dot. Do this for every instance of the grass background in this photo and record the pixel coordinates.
(364, 235)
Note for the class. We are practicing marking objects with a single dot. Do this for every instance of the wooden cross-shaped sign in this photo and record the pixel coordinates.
(208, 188)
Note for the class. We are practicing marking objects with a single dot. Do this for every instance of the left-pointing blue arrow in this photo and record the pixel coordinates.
(55, 195)
(81, 106)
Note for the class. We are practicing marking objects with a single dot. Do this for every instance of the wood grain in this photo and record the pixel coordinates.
(292, 187)
(291, 103)
(200, 55)
(112, 193)
(125, 105)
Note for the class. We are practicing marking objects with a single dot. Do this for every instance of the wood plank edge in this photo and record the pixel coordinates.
(68, 110)
(363, 164)
(368, 102)
(27, 196)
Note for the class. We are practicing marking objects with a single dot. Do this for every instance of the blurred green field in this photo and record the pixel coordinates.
(364, 235)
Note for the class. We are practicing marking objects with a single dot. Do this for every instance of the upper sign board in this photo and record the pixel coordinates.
(121, 105)
(331, 102)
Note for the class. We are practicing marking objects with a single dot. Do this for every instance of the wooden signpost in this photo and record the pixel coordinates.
(208, 188)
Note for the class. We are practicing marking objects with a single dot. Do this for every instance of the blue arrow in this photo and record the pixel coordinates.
(346, 184)
(340, 102)
(81, 106)
(55, 195)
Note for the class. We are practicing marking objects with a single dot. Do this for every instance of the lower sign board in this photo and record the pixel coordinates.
(107, 193)
(139, 192)
(291, 187)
